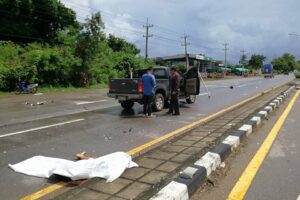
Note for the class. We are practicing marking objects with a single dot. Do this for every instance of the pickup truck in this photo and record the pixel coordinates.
(130, 90)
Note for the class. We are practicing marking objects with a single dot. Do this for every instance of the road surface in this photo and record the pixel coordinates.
(33, 131)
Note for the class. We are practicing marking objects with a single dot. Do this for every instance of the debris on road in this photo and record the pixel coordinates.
(231, 87)
(41, 103)
(223, 165)
(109, 167)
(38, 94)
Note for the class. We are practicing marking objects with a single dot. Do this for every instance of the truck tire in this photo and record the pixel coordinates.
(191, 99)
(159, 102)
(127, 104)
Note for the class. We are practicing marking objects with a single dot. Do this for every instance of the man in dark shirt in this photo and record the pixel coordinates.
(149, 82)
(175, 89)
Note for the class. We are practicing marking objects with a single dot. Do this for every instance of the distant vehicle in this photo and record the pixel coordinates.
(286, 73)
(268, 71)
(127, 90)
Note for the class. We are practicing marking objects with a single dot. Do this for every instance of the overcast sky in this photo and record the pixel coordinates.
(258, 26)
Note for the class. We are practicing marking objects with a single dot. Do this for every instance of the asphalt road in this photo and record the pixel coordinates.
(279, 177)
(102, 128)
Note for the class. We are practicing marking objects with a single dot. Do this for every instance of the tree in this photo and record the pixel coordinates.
(33, 20)
(119, 44)
(256, 61)
(88, 46)
(286, 62)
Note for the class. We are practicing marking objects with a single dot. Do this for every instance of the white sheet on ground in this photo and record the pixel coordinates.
(109, 167)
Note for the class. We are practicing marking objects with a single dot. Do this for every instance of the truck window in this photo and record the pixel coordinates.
(160, 74)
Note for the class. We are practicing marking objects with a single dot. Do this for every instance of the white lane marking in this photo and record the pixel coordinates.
(202, 94)
(40, 128)
(88, 102)
(243, 85)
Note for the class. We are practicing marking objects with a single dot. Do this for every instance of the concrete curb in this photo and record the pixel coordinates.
(192, 177)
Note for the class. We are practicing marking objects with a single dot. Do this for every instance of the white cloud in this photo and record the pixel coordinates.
(254, 25)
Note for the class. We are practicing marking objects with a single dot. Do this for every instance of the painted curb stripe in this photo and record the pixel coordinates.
(210, 161)
(247, 128)
(172, 191)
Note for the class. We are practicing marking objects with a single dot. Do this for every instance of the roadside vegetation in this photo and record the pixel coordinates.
(42, 42)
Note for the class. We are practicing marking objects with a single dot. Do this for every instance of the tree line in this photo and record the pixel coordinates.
(41, 41)
(285, 63)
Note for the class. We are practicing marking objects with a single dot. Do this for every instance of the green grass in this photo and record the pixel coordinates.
(297, 74)
(50, 89)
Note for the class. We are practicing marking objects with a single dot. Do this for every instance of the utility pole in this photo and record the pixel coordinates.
(243, 56)
(225, 49)
(147, 26)
(185, 44)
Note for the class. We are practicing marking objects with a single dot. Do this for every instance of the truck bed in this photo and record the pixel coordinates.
(124, 86)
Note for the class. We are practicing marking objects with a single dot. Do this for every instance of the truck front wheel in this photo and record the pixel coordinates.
(159, 102)
(127, 104)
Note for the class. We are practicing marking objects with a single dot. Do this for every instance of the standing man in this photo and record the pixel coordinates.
(175, 88)
(149, 82)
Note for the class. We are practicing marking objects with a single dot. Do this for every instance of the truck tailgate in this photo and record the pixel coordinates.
(124, 86)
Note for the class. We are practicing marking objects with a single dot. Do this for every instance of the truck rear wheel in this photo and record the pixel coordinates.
(159, 102)
(191, 99)
(127, 104)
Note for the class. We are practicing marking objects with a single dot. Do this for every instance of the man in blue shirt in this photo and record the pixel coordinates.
(149, 82)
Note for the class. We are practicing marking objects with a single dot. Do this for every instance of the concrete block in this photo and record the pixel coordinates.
(233, 141)
(188, 173)
(223, 150)
(241, 134)
(247, 128)
(274, 105)
(172, 191)
(195, 181)
(269, 109)
(263, 113)
(210, 161)
(256, 119)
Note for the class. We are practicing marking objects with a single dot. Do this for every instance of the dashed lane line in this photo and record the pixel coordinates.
(40, 128)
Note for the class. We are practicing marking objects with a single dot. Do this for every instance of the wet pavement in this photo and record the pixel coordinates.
(162, 164)
(105, 128)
